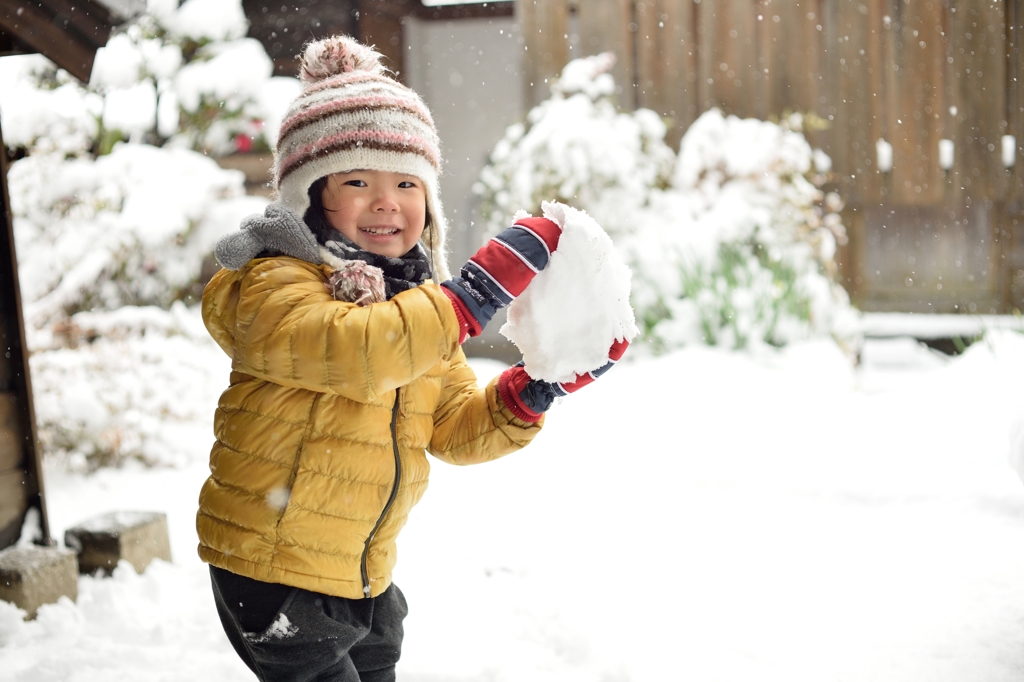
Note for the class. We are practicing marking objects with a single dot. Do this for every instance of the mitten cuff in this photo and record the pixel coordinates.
(460, 314)
(509, 384)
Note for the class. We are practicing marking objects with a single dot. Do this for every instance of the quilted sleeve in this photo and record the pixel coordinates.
(278, 322)
(471, 424)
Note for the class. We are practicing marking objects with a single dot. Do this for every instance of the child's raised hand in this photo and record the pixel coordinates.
(530, 398)
(500, 271)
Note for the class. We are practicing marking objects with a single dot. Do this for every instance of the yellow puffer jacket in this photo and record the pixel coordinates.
(321, 435)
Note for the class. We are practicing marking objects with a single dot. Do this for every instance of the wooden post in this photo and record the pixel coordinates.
(21, 476)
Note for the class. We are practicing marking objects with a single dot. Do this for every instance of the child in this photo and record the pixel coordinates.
(347, 366)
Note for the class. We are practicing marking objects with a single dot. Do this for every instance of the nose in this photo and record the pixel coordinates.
(385, 202)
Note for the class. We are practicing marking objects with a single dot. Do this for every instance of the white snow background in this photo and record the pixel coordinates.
(704, 515)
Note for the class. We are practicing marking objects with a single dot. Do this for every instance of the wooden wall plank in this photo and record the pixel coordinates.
(609, 26)
(706, 28)
(13, 496)
(978, 79)
(850, 145)
(380, 24)
(679, 53)
(791, 54)
(11, 451)
(917, 93)
(859, 120)
(649, 51)
(733, 54)
(544, 25)
(1015, 98)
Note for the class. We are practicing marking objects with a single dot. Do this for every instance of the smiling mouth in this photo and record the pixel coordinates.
(380, 231)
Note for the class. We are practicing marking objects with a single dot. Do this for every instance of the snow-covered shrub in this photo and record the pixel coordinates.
(129, 228)
(732, 242)
(140, 385)
(45, 108)
(96, 238)
(750, 238)
(577, 148)
(182, 76)
(116, 209)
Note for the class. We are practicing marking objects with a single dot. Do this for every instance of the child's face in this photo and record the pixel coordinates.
(382, 212)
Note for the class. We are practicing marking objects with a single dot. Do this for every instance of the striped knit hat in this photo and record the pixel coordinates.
(352, 116)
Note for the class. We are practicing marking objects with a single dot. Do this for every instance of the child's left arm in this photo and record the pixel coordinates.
(472, 424)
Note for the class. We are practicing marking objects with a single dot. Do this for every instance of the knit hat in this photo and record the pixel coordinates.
(352, 116)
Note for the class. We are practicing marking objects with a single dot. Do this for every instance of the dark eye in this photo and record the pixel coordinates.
(406, 184)
(356, 183)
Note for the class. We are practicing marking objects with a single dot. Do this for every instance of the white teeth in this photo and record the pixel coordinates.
(384, 231)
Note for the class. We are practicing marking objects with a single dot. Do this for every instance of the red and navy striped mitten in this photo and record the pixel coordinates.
(496, 274)
(529, 398)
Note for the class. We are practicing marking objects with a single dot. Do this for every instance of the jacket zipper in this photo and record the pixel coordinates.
(391, 498)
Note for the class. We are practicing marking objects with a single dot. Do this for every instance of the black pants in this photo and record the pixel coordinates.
(287, 634)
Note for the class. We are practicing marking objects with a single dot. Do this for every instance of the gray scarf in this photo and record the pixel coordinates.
(281, 231)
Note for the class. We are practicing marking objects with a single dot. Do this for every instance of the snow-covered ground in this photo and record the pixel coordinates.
(705, 515)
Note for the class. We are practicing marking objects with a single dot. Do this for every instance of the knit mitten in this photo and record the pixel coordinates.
(530, 398)
(496, 274)
(278, 230)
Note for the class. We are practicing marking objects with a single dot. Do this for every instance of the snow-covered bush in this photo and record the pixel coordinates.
(181, 76)
(98, 241)
(129, 228)
(139, 385)
(116, 209)
(577, 148)
(741, 249)
(732, 242)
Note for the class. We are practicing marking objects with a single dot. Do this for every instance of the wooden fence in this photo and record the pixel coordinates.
(935, 232)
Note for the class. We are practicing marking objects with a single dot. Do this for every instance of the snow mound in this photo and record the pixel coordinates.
(577, 307)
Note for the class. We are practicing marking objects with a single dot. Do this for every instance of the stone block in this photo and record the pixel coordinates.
(136, 537)
(31, 576)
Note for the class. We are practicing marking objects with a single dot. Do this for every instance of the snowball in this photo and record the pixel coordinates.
(577, 307)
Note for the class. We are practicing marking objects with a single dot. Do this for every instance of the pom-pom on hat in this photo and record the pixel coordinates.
(352, 116)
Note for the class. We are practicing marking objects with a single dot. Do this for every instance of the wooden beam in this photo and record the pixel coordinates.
(92, 21)
(10, 45)
(66, 34)
(18, 383)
